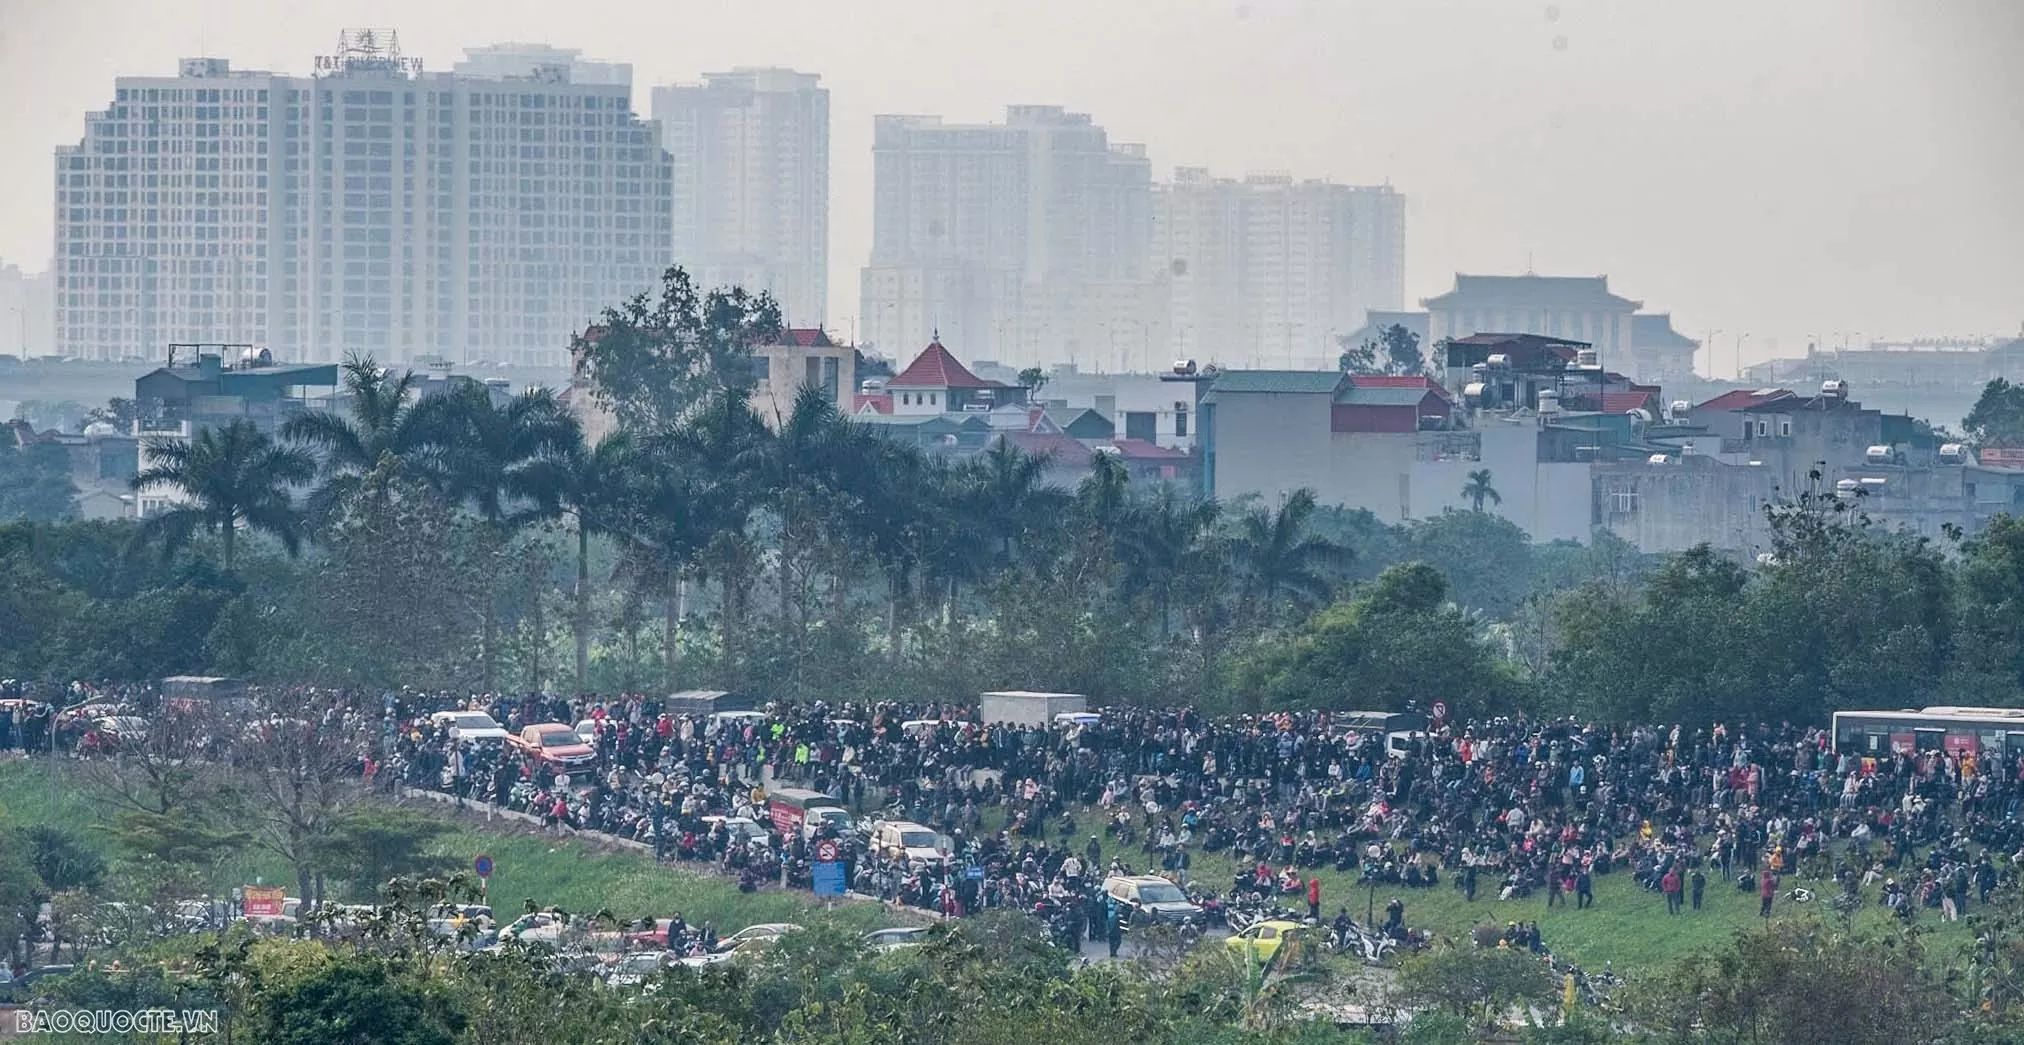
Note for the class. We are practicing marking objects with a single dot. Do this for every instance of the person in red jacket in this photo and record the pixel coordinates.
(1767, 888)
(1314, 898)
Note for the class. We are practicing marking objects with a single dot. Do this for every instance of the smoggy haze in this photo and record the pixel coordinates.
(1807, 166)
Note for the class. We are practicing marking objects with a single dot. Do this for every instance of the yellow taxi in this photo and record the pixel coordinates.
(1265, 939)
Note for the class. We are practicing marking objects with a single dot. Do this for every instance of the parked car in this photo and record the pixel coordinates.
(1147, 896)
(632, 970)
(762, 931)
(742, 829)
(894, 939)
(904, 839)
(554, 743)
(1266, 939)
(473, 726)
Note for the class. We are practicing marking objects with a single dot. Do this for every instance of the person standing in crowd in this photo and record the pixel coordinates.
(1584, 890)
(1767, 890)
(1670, 885)
(1699, 885)
(1314, 898)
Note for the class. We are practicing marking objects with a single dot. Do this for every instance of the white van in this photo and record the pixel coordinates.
(906, 839)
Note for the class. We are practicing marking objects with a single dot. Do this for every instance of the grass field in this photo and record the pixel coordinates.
(572, 873)
(1627, 929)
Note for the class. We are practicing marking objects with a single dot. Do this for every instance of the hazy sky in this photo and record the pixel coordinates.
(1776, 167)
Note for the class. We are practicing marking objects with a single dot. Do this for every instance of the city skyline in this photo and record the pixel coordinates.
(1775, 191)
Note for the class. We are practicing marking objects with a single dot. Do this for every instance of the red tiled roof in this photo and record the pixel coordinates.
(875, 404)
(935, 367)
(806, 337)
(1399, 381)
(1625, 402)
(1139, 449)
(1742, 398)
(1061, 450)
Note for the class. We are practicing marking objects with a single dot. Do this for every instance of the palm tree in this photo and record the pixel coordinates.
(498, 462)
(1009, 497)
(360, 455)
(1278, 556)
(591, 486)
(1478, 489)
(661, 530)
(228, 477)
(1168, 539)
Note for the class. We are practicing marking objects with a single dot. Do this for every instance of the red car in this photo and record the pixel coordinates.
(554, 743)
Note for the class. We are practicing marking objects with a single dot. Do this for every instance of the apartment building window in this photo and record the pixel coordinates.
(1785, 428)
(1763, 428)
(1623, 502)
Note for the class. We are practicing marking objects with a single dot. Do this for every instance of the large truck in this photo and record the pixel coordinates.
(1022, 708)
(800, 811)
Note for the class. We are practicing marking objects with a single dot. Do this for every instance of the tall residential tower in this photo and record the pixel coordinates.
(484, 214)
(750, 153)
(1269, 271)
(1024, 241)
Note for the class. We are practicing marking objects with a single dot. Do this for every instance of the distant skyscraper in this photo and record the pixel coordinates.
(1024, 241)
(27, 312)
(1269, 271)
(487, 214)
(750, 153)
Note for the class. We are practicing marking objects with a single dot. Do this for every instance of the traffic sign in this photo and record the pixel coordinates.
(828, 878)
(973, 872)
(826, 851)
(482, 865)
(1440, 711)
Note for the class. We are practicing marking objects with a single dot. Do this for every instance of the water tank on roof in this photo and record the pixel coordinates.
(1588, 359)
(1500, 361)
(1847, 486)
(1639, 416)
(1473, 391)
(1549, 401)
(100, 428)
(1184, 367)
(1679, 410)
(1659, 459)
(1834, 389)
(1877, 455)
(1953, 453)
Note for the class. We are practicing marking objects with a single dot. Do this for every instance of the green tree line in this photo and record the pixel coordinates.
(473, 541)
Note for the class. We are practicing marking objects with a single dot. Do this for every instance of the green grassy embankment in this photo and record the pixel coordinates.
(1627, 929)
(575, 873)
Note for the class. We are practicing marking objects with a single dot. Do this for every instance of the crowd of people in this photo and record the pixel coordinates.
(1035, 818)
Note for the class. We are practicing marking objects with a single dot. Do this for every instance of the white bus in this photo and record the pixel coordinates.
(1990, 731)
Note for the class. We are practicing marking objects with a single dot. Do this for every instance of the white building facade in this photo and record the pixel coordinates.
(478, 216)
(750, 156)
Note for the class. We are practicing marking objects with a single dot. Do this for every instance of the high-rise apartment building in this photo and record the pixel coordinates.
(750, 155)
(1024, 241)
(1268, 271)
(27, 312)
(480, 215)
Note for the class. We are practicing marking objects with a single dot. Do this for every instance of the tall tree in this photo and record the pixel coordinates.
(225, 478)
(653, 360)
(1998, 416)
(1169, 540)
(496, 460)
(35, 481)
(1395, 351)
